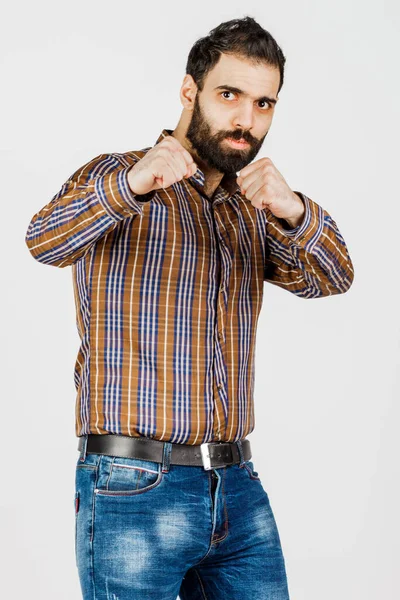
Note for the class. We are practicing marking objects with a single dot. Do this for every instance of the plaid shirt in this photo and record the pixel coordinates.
(168, 288)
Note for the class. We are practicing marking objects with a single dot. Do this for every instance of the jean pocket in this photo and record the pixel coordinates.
(127, 476)
(249, 466)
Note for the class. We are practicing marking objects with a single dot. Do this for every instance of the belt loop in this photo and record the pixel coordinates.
(167, 449)
(240, 450)
(82, 456)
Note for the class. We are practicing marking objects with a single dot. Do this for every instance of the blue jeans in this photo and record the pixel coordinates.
(149, 530)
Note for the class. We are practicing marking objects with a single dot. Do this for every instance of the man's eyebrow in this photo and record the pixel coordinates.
(233, 89)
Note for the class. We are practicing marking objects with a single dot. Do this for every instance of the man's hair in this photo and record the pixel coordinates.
(243, 38)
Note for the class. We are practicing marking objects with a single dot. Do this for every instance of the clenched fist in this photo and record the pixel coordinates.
(265, 187)
(164, 164)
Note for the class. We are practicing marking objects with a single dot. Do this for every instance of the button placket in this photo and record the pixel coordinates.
(219, 331)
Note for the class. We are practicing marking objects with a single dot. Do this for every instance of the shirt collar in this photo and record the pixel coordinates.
(227, 184)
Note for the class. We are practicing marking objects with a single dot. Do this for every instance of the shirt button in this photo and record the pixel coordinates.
(221, 336)
(219, 385)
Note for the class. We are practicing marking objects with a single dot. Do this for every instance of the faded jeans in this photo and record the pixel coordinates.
(149, 530)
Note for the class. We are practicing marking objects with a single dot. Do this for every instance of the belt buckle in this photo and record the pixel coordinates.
(205, 455)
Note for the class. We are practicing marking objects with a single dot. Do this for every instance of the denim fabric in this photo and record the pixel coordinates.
(148, 530)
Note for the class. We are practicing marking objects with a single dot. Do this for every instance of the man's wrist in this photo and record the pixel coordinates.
(298, 217)
(129, 179)
(140, 197)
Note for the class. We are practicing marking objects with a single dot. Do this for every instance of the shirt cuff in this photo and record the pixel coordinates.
(309, 231)
(116, 197)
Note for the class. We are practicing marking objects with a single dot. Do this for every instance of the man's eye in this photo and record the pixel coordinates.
(265, 102)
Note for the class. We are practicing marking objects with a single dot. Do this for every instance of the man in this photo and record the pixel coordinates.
(170, 249)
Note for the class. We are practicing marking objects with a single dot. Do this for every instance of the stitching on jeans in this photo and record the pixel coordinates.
(93, 500)
(103, 492)
(109, 474)
(257, 478)
(92, 533)
(77, 496)
(211, 544)
(201, 584)
(133, 467)
(225, 509)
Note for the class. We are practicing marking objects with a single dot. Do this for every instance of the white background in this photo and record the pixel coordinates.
(82, 78)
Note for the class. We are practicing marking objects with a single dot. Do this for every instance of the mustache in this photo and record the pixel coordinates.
(240, 136)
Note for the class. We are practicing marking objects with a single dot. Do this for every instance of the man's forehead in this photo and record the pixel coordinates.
(257, 80)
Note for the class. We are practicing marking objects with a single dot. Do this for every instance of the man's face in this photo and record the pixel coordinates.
(219, 114)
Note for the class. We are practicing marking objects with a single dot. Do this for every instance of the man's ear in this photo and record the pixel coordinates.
(188, 92)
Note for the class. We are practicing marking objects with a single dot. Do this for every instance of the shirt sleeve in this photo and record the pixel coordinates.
(310, 260)
(89, 205)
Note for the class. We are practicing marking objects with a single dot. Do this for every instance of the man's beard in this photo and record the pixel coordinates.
(208, 147)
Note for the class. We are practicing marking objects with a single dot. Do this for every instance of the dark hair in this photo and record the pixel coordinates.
(243, 38)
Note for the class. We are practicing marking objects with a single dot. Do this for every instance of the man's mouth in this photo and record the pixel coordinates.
(238, 143)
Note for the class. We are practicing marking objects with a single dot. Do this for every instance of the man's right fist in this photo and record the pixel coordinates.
(164, 164)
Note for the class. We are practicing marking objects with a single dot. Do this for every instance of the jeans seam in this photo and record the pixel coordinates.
(225, 509)
(201, 584)
(110, 472)
(210, 544)
(92, 531)
(76, 524)
(251, 473)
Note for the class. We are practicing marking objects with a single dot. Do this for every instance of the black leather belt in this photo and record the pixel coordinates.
(208, 454)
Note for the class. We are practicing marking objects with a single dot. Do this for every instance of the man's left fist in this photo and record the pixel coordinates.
(264, 186)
